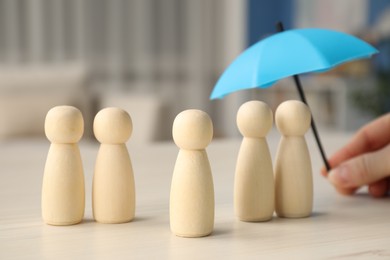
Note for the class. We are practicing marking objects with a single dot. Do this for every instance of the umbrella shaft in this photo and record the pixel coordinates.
(300, 90)
(280, 28)
(313, 125)
(323, 155)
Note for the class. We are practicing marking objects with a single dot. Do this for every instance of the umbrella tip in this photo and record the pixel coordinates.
(279, 26)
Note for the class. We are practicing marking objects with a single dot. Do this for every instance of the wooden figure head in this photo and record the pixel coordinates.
(112, 125)
(192, 130)
(64, 124)
(293, 118)
(254, 119)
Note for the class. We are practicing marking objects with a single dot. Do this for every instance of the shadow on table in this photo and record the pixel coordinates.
(136, 219)
(221, 232)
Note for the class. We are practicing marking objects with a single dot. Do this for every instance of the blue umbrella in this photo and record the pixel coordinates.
(289, 53)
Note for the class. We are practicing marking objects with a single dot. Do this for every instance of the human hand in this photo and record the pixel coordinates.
(365, 160)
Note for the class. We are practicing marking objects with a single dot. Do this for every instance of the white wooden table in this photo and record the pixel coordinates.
(341, 227)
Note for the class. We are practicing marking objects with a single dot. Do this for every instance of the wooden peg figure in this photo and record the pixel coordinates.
(192, 190)
(254, 178)
(293, 171)
(113, 188)
(63, 190)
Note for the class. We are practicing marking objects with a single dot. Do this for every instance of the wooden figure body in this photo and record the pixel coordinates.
(192, 189)
(63, 189)
(254, 180)
(113, 188)
(293, 171)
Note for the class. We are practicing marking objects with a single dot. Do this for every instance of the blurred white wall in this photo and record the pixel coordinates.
(171, 50)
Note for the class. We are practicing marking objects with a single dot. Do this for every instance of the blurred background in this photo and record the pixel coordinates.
(155, 58)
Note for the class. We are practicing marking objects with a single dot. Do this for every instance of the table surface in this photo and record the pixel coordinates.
(340, 227)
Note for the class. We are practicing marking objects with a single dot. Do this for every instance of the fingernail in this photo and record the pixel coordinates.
(339, 176)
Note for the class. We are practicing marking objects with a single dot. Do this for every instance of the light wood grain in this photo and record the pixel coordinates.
(254, 187)
(63, 187)
(192, 204)
(113, 187)
(341, 227)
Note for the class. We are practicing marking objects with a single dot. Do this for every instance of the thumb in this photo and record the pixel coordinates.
(362, 170)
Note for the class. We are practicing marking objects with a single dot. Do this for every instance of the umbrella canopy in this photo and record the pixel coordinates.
(290, 53)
